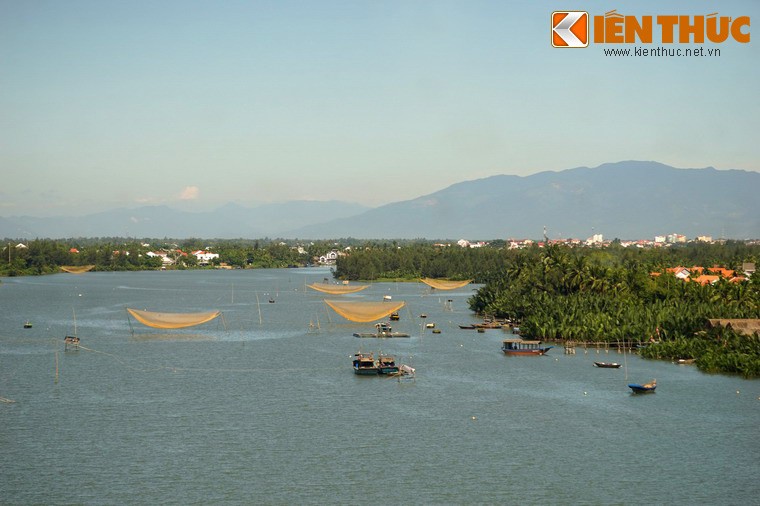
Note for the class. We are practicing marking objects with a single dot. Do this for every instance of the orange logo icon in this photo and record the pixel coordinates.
(569, 29)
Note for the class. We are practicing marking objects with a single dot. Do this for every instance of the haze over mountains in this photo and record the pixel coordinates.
(627, 200)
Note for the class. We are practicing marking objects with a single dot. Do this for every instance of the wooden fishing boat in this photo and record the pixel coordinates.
(607, 365)
(386, 364)
(467, 327)
(365, 364)
(523, 347)
(646, 388)
(491, 324)
(384, 329)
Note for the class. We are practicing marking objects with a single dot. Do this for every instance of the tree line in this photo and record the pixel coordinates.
(47, 256)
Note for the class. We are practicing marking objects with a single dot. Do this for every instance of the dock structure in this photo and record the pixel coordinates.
(72, 341)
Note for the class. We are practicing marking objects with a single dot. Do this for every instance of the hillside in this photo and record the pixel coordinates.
(627, 200)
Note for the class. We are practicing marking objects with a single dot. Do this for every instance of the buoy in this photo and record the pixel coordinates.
(474, 417)
(585, 393)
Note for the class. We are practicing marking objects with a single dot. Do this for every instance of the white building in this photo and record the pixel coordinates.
(329, 258)
(595, 239)
(165, 260)
(205, 257)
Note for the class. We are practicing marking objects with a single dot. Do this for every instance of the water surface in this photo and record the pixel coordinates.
(262, 407)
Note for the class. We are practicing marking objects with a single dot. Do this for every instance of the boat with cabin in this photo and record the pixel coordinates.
(523, 347)
(365, 364)
(384, 329)
(386, 364)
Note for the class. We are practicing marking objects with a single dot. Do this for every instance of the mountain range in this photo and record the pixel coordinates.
(627, 200)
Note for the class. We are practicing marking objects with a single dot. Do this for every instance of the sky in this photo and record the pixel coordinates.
(195, 104)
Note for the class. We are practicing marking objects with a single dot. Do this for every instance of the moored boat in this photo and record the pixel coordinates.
(386, 364)
(607, 365)
(384, 329)
(523, 347)
(365, 364)
(491, 324)
(643, 389)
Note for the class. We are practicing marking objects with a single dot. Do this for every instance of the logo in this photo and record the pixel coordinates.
(615, 28)
(570, 29)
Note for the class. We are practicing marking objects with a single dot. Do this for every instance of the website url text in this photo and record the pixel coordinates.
(663, 52)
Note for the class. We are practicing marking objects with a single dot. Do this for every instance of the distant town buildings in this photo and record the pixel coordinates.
(597, 240)
(464, 243)
(704, 275)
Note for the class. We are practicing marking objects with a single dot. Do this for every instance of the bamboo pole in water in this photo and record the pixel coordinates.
(55, 343)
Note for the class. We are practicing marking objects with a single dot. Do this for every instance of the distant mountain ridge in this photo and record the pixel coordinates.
(230, 221)
(627, 200)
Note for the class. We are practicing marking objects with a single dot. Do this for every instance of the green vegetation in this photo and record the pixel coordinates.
(46, 256)
(411, 261)
(610, 296)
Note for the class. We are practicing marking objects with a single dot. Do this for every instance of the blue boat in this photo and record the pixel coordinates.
(643, 389)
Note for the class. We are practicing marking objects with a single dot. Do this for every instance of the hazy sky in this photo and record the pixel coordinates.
(194, 104)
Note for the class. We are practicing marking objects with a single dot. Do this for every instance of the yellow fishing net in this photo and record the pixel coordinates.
(76, 269)
(445, 284)
(337, 289)
(361, 311)
(172, 320)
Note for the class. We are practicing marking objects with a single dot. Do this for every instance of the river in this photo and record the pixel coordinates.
(261, 406)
